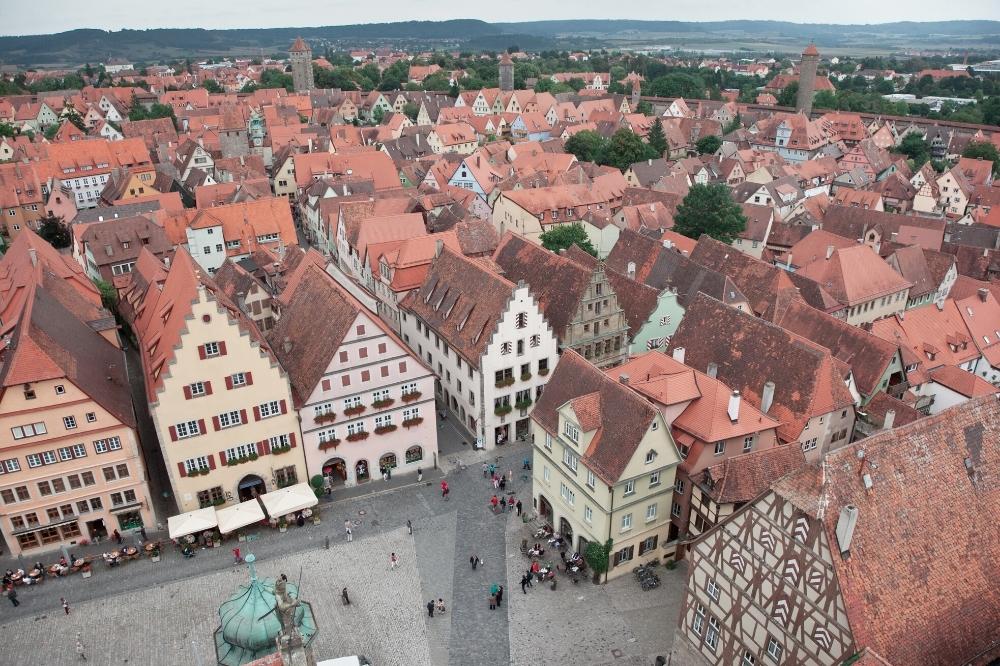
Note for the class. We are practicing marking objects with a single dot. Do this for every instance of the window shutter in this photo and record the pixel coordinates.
(208, 388)
(384, 371)
(249, 377)
(243, 416)
(229, 382)
(265, 447)
(326, 384)
(173, 434)
(345, 380)
(222, 348)
(256, 413)
(365, 375)
(201, 352)
(211, 461)
(187, 392)
(402, 366)
(183, 469)
(381, 348)
(222, 457)
(291, 439)
(284, 407)
(201, 426)
(215, 422)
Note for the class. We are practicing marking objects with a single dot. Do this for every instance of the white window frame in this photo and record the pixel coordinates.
(185, 429)
(651, 513)
(238, 379)
(69, 422)
(774, 649)
(212, 348)
(570, 459)
(241, 451)
(626, 522)
(199, 463)
(748, 443)
(230, 419)
(588, 514)
(629, 487)
(197, 389)
(720, 448)
(654, 479)
(571, 431)
(712, 588)
(269, 409)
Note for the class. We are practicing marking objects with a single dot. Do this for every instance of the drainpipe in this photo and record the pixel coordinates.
(610, 523)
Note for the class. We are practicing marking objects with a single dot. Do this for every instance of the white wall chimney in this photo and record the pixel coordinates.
(679, 354)
(845, 529)
(623, 378)
(829, 251)
(631, 270)
(890, 418)
(33, 255)
(713, 370)
(734, 407)
(767, 397)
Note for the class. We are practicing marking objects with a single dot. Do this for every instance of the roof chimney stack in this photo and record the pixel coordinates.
(713, 370)
(767, 397)
(33, 255)
(438, 246)
(631, 270)
(679, 354)
(734, 407)
(982, 294)
(890, 418)
(829, 251)
(623, 379)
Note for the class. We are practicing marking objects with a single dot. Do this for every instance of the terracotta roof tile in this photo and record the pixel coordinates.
(742, 478)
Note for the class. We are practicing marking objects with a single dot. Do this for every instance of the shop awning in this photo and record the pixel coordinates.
(191, 522)
(288, 500)
(239, 515)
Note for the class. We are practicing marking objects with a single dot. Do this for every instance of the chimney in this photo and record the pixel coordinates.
(829, 251)
(734, 407)
(417, 138)
(166, 261)
(679, 354)
(287, 345)
(890, 418)
(438, 246)
(33, 255)
(631, 270)
(767, 397)
(713, 370)
(846, 523)
(940, 305)
(982, 294)
(623, 379)
(789, 262)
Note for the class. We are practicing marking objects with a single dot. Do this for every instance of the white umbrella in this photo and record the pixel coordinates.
(191, 522)
(239, 515)
(288, 500)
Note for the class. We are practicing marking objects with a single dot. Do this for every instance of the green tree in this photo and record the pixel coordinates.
(825, 99)
(51, 131)
(212, 86)
(378, 113)
(645, 108)
(411, 111)
(709, 209)
(109, 295)
(272, 78)
(53, 230)
(453, 91)
(564, 235)
(708, 144)
(598, 556)
(6, 129)
(625, 149)
(733, 126)
(984, 151)
(677, 84)
(588, 146)
(915, 148)
(788, 94)
(656, 139)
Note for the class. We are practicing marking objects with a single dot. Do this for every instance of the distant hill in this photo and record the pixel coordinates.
(78, 46)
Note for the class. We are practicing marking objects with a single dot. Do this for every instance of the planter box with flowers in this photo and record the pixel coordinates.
(329, 417)
(415, 421)
(154, 555)
(245, 459)
(383, 429)
(502, 410)
(352, 411)
(507, 381)
(525, 376)
(357, 436)
(331, 444)
(410, 397)
(278, 450)
(523, 404)
(542, 372)
(379, 404)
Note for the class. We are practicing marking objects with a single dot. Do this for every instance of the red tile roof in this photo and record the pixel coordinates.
(742, 478)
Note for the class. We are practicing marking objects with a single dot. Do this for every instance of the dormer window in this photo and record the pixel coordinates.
(571, 431)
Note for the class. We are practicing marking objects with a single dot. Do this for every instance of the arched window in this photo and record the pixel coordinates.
(414, 454)
(388, 460)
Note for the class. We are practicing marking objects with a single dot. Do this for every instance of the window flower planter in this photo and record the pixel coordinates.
(415, 421)
(381, 430)
(505, 382)
(351, 411)
(525, 376)
(542, 372)
(332, 444)
(358, 436)
(502, 410)
(329, 417)
(410, 397)
(379, 404)
(523, 404)
(281, 449)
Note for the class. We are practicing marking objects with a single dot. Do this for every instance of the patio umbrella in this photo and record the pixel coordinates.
(239, 515)
(191, 522)
(288, 500)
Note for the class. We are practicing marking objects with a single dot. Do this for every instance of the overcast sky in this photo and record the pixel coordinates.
(48, 16)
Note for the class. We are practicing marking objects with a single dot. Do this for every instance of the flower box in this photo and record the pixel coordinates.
(415, 421)
(357, 436)
(523, 404)
(381, 430)
(508, 381)
(410, 397)
(282, 527)
(379, 404)
(329, 417)
(332, 444)
(281, 449)
(502, 410)
(542, 372)
(525, 376)
(351, 411)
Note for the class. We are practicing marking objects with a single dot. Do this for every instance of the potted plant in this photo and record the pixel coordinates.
(325, 418)
(411, 396)
(241, 536)
(219, 502)
(357, 409)
(383, 429)
(542, 372)
(506, 381)
(278, 450)
(357, 436)
(154, 555)
(329, 444)
(502, 410)
(523, 404)
(315, 516)
(525, 376)
(385, 402)
(282, 524)
(414, 421)
(217, 539)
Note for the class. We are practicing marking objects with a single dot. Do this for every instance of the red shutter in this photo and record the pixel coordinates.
(222, 348)
(187, 392)
(384, 370)
(265, 446)
(211, 461)
(249, 377)
(243, 416)
(343, 357)
(345, 380)
(208, 388)
(402, 366)
(381, 348)
(291, 439)
(222, 457)
(326, 384)
(173, 434)
(201, 352)
(284, 407)
(365, 375)
(183, 469)
(215, 423)
(363, 352)
(256, 413)
(201, 426)
(229, 382)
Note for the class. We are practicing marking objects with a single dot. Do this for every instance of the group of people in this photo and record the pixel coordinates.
(435, 606)
(500, 504)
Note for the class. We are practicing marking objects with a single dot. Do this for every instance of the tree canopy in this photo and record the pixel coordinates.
(625, 149)
(588, 146)
(55, 232)
(657, 139)
(915, 148)
(708, 144)
(983, 150)
(709, 209)
(564, 236)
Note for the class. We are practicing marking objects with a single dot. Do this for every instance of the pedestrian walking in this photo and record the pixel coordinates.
(12, 595)
(510, 476)
(528, 575)
(493, 601)
(385, 473)
(393, 560)
(474, 561)
(237, 556)
(494, 502)
(65, 604)
(79, 647)
(503, 483)
(496, 482)
(420, 474)
(409, 526)
(518, 505)
(388, 473)
(347, 528)
(430, 608)
(117, 537)
(526, 464)
(486, 470)
(344, 598)
(500, 595)
(524, 583)
(510, 503)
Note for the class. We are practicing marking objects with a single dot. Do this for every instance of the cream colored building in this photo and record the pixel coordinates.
(220, 402)
(598, 475)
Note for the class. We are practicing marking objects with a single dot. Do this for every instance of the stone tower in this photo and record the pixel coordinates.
(506, 73)
(807, 80)
(302, 74)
